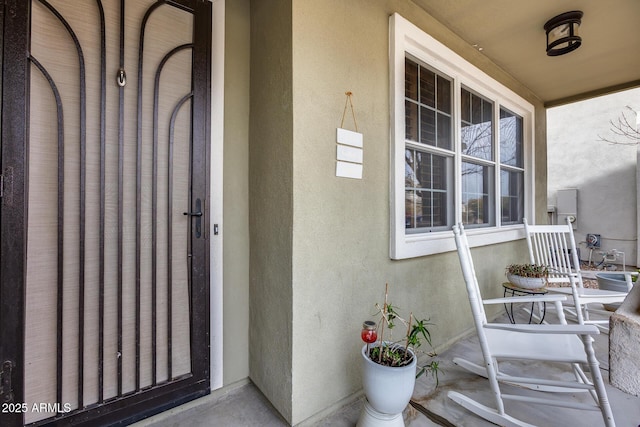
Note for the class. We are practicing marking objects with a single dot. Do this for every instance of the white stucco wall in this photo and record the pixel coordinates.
(604, 174)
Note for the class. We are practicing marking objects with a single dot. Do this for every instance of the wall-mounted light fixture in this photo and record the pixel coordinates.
(562, 33)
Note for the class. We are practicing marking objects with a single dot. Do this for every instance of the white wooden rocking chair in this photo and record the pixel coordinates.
(570, 344)
(554, 246)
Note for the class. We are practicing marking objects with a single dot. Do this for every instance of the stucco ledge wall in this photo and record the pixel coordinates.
(624, 344)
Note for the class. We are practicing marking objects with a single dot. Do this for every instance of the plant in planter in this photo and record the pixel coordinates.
(390, 366)
(528, 276)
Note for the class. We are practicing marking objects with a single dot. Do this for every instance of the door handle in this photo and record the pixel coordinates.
(197, 213)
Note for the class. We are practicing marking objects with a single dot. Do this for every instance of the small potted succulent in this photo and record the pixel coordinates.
(527, 276)
(390, 367)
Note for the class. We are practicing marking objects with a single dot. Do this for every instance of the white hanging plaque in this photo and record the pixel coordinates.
(348, 170)
(349, 154)
(349, 137)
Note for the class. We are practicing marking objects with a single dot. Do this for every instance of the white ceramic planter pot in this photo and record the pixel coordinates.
(527, 282)
(388, 389)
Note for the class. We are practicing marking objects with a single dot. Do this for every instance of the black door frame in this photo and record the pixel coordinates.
(13, 209)
(14, 89)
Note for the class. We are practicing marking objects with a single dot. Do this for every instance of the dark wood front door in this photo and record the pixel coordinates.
(104, 275)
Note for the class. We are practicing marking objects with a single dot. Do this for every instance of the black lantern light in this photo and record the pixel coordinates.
(562, 33)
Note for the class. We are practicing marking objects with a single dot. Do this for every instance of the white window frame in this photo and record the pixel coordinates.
(405, 38)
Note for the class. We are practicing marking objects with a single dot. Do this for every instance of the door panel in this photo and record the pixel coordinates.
(116, 276)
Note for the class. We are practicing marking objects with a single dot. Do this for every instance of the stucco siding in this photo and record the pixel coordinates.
(340, 255)
(236, 193)
(604, 174)
(270, 201)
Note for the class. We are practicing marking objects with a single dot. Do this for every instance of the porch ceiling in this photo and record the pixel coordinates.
(511, 35)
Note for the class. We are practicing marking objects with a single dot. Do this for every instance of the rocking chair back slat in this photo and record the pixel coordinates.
(554, 246)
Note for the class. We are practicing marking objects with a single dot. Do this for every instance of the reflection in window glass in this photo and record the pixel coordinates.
(411, 121)
(430, 152)
(511, 140)
(463, 141)
(427, 87)
(428, 126)
(444, 97)
(410, 80)
(476, 126)
(444, 137)
(427, 97)
(511, 172)
(477, 194)
(512, 201)
(426, 190)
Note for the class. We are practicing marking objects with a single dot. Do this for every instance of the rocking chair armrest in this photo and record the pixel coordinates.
(546, 329)
(526, 298)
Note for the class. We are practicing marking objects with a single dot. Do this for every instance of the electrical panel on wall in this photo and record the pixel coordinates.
(567, 206)
(593, 241)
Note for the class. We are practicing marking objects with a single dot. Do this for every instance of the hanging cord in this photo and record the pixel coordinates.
(347, 103)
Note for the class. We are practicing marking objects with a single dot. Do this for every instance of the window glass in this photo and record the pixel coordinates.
(411, 120)
(476, 126)
(428, 126)
(462, 153)
(428, 173)
(511, 194)
(511, 141)
(444, 95)
(444, 137)
(511, 173)
(427, 95)
(426, 190)
(410, 80)
(427, 87)
(477, 190)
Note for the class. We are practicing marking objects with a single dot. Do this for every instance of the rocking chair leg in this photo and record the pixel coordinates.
(482, 372)
(485, 412)
(594, 367)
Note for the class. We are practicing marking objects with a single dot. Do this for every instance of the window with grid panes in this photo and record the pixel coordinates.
(428, 154)
(477, 150)
(511, 167)
(461, 141)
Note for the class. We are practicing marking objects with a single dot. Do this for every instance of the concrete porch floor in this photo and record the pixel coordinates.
(245, 406)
